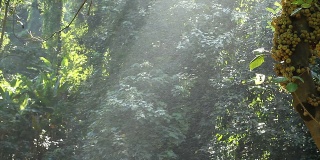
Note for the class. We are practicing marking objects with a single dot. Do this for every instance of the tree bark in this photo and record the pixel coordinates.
(301, 57)
(306, 98)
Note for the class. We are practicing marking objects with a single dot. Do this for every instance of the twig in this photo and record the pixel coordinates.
(89, 8)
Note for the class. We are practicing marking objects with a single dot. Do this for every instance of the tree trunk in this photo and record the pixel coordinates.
(51, 24)
(295, 47)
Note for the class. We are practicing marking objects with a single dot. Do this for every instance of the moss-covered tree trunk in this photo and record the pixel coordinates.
(296, 48)
(52, 15)
(34, 19)
(51, 24)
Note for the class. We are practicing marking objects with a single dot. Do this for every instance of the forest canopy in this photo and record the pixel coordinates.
(144, 79)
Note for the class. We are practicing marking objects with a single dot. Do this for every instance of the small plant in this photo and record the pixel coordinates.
(304, 4)
(274, 13)
(290, 86)
(259, 60)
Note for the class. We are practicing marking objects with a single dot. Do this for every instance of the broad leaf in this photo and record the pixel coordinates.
(256, 62)
(280, 79)
(291, 87)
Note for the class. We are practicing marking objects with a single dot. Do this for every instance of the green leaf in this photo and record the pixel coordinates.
(219, 137)
(298, 2)
(297, 77)
(271, 10)
(46, 62)
(309, 1)
(24, 102)
(277, 4)
(65, 62)
(291, 87)
(1, 91)
(256, 62)
(280, 79)
(305, 5)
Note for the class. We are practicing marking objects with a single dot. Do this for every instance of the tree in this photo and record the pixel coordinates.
(35, 99)
(176, 84)
(143, 79)
(295, 49)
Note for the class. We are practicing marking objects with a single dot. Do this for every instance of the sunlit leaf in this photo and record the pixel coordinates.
(24, 103)
(271, 10)
(291, 87)
(270, 26)
(32, 68)
(280, 79)
(46, 62)
(65, 62)
(219, 137)
(256, 62)
(297, 77)
(277, 4)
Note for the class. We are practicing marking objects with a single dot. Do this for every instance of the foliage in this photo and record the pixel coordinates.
(256, 62)
(274, 13)
(34, 104)
(215, 120)
(303, 3)
(153, 130)
(145, 80)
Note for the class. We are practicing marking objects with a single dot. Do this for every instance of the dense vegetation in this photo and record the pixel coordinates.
(142, 79)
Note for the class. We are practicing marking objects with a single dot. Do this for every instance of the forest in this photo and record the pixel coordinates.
(159, 79)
